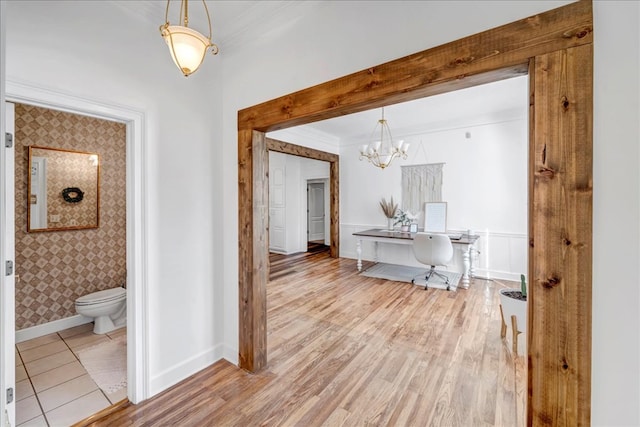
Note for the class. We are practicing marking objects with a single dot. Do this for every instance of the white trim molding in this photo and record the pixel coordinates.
(185, 369)
(312, 138)
(137, 287)
(51, 327)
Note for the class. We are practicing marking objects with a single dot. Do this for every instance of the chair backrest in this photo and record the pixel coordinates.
(432, 249)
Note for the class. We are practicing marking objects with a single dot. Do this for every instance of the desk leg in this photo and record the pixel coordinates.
(467, 265)
(359, 252)
(472, 254)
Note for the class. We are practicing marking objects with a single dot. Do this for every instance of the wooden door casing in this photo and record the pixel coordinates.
(555, 49)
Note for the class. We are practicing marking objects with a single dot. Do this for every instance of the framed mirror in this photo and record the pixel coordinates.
(63, 190)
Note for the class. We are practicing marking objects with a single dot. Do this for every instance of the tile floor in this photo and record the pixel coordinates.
(52, 387)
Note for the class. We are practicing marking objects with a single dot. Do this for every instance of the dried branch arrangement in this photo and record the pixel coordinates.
(389, 208)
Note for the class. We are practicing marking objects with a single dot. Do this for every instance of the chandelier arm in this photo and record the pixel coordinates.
(166, 13)
(212, 45)
(206, 9)
(184, 7)
(174, 51)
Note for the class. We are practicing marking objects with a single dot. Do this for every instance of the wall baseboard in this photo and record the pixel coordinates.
(230, 354)
(51, 327)
(498, 275)
(181, 371)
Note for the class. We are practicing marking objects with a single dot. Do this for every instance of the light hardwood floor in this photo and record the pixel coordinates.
(350, 350)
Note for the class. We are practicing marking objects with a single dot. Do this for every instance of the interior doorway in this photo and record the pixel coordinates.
(560, 182)
(50, 331)
(136, 353)
(317, 211)
(331, 189)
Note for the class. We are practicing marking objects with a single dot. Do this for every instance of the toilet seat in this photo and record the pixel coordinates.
(106, 295)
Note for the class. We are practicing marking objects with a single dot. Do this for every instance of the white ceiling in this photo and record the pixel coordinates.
(234, 21)
(488, 103)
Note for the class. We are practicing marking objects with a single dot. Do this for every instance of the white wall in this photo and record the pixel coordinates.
(88, 49)
(335, 40)
(616, 201)
(484, 185)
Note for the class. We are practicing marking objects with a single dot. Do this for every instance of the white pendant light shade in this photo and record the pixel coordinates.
(188, 47)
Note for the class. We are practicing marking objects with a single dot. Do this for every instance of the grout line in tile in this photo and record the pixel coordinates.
(34, 389)
(29, 420)
(104, 394)
(39, 403)
(78, 359)
(74, 399)
(70, 349)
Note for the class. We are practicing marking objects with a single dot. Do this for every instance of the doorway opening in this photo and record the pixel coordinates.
(560, 210)
(331, 191)
(81, 249)
(317, 214)
(136, 353)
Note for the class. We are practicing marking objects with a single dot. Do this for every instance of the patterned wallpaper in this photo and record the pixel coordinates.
(56, 267)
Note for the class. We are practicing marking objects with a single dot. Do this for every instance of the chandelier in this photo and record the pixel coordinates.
(187, 46)
(382, 150)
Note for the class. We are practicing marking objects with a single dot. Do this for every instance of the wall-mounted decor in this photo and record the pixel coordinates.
(63, 190)
(420, 184)
(72, 195)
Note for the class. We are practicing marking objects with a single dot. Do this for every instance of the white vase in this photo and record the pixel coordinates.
(514, 307)
(390, 224)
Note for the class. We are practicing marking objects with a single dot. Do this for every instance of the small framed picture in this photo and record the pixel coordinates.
(435, 217)
(413, 228)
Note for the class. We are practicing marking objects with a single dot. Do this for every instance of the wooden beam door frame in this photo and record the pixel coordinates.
(556, 49)
(334, 184)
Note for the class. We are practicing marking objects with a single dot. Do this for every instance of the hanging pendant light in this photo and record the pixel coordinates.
(382, 150)
(187, 46)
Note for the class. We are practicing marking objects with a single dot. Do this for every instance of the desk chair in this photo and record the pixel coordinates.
(433, 250)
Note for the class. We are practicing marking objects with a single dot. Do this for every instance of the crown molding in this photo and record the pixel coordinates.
(308, 137)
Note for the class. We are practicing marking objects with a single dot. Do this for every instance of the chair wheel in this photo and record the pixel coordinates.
(413, 281)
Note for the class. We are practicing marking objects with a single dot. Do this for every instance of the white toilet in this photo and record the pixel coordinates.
(108, 308)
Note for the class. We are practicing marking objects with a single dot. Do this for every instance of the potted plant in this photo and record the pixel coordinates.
(513, 308)
(404, 218)
(389, 209)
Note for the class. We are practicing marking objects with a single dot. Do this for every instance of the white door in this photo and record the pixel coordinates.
(315, 214)
(7, 278)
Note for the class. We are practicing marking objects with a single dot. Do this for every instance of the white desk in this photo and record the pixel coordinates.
(464, 245)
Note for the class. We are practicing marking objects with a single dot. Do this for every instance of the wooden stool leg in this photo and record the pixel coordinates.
(514, 331)
(503, 328)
